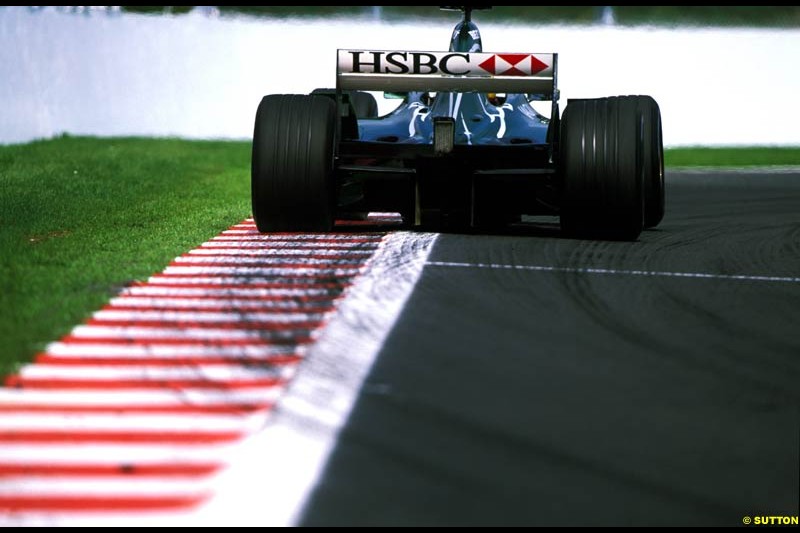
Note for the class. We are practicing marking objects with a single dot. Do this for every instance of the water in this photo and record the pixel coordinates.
(202, 76)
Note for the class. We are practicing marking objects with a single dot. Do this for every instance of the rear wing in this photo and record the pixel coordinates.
(400, 71)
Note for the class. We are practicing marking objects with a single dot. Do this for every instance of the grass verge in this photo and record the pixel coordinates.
(732, 157)
(82, 217)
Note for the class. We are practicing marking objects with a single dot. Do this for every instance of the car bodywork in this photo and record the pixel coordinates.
(465, 150)
(480, 104)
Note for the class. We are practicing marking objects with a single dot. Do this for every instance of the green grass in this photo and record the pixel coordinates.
(81, 217)
(732, 157)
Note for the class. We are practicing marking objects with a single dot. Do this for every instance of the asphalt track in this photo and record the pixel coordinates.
(596, 388)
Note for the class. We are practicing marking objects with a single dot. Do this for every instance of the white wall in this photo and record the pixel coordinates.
(202, 76)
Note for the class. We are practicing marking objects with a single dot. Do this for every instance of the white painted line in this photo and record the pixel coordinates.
(144, 371)
(222, 334)
(207, 316)
(185, 292)
(138, 351)
(266, 252)
(298, 237)
(620, 272)
(182, 396)
(190, 465)
(267, 260)
(283, 463)
(227, 303)
(108, 453)
(129, 486)
(243, 281)
(128, 422)
(290, 271)
(283, 245)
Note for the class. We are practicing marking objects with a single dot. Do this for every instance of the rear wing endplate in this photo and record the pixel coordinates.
(401, 71)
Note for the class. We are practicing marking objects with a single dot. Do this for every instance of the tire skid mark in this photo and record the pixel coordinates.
(171, 375)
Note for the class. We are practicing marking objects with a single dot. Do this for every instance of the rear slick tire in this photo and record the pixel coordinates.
(292, 185)
(602, 168)
(653, 161)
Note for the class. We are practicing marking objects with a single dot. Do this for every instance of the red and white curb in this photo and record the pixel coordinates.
(160, 405)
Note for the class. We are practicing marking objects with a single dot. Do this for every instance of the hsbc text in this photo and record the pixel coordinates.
(410, 63)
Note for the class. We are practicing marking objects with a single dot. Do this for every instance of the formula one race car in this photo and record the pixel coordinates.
(465, 150)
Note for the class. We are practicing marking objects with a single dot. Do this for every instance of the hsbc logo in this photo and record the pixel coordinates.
(441, 63)
(453, 64)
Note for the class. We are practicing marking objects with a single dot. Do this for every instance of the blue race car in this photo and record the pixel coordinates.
(464, 151)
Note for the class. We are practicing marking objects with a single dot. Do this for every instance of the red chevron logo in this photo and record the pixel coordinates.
(513, 65)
